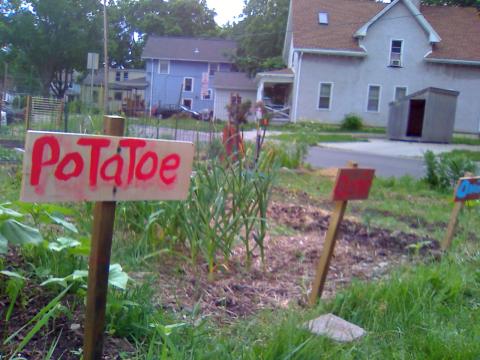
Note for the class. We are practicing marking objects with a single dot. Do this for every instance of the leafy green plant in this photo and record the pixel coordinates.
(443, 171)
(352, 122)
(14, 232)
(227, 204)
(116, 278)
(289, 155)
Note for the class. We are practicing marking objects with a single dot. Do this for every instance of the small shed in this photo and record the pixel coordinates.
(427, 115)
(225, 84)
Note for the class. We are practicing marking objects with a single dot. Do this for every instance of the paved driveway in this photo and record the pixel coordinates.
(386, 166)
(398, 148)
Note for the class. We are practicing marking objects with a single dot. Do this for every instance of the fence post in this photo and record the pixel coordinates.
(60, 114)
(28, 113)
(65, 114)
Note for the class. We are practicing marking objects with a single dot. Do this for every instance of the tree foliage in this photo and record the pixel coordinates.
(131, 21)
(260, 34)
(50, 37)
(46, 40)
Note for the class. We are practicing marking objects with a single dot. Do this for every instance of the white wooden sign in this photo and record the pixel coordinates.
(61, 167)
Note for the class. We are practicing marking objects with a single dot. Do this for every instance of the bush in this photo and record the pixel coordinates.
(352, 122)
(289, 155)
(443, 171)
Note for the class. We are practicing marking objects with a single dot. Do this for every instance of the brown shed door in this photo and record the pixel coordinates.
(415, 118)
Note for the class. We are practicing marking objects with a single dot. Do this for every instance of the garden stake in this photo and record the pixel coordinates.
(61, 167)
(351, 184)
(99, 262)
(452, 224)
(457, 208)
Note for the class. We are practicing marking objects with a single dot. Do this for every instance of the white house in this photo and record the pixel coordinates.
(356, 56)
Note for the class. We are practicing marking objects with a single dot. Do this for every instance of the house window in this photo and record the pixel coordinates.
(373, 98)
(400, 92)
(188, 84)
(213, 68)
(125, 75)
(187, 103)
(164, 67)
(118, 76)
(208, 95)
(118, 96)
(325, 96)
(396, 53)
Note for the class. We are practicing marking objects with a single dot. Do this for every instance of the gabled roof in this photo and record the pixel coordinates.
(189, 49)
(345, 17)
(454, 31)
(432, 34)
(233, 81)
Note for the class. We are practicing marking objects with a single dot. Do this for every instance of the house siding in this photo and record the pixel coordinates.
(166, 89)
(352, 76)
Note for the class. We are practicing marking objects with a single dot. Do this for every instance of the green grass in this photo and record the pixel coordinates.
(313, 139)
(317, 127)
(10, 155)
(457, 139)
(469, 154)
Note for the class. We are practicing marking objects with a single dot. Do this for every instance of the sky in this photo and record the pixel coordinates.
(226, 9)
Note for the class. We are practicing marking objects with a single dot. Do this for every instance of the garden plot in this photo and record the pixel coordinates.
(286, 275)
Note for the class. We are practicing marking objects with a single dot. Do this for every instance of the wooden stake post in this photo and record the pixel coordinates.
(467, 189)
(61, 167)
(351, 184)
(99, 262)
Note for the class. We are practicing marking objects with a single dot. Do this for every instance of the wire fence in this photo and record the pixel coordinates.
(21, 112)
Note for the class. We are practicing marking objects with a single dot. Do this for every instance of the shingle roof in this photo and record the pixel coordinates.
(98, 80)
(459, 28)
(345, 17)
(234, 81)
(191, 49)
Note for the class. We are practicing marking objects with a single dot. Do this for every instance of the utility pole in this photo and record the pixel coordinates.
(105, 53)
(5, 78)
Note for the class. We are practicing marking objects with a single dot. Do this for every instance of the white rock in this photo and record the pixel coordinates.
(335, 328)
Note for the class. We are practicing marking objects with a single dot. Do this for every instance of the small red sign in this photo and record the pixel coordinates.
(353, 184)
(468, 189)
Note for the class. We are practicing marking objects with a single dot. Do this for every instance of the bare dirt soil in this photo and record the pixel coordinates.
(286, 275)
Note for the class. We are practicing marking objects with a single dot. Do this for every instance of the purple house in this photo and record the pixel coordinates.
(181, 70)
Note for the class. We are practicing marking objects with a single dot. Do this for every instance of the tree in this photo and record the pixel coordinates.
(132, 21)
(51, 37)
(260, 34)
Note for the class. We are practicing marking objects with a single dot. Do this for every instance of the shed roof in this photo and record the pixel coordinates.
(189, 49)
(430, 89)
(234, 81)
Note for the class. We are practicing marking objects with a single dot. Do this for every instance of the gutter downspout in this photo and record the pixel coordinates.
(151, 88)
(297, 86)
